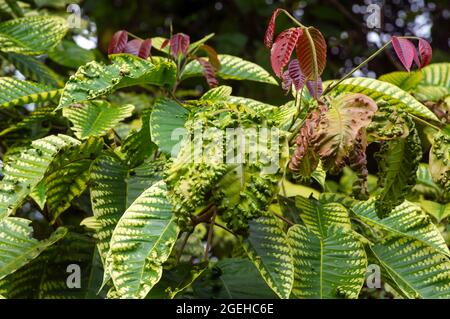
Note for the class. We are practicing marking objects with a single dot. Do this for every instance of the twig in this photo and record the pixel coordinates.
(287, 221)
(183, 245)
(210, 233)
(223, 227)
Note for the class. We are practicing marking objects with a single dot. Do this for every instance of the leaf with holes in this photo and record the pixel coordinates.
(96, 79)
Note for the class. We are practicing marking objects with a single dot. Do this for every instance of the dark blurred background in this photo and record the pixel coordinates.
(239, 26)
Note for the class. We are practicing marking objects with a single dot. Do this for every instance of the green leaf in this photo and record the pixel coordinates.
(96, 118)
(425, 184)
(439, 164)
(418, 270)
(174, 281)
(35, 70)
(68, 176)
(398, 161)
(47, 276)
(96, 79)
(25, 170)
(70, 55)
(435, 83)
(167, 124)
(266, 246)
(18, 247)
(406, 220)
(379, 90)
(437, 210)
(406, 81)
(331, 264)
(233, 68)
(18, 92)
(32, 35)
(137, 147)
(222, 92)
(115, 185)
(38, 116)
(141, 243)
(318, 217)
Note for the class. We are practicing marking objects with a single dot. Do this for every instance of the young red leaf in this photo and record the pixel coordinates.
(144, 50)
(405, 50)
(212, 56)
(133, 47)
(286, 81)
(425, 53)
(312, 53)
(208, 72)
(295, 73)
(268, 37)
(118, 42)
(282, 49)
(179, 44)
(315, 88)
(165, 43)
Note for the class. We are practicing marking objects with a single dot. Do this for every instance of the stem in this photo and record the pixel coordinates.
(210, 233)
(293, 18)
(287, 221)
(370, 58)
(224, 228)
(135, 36)
(183, 245)
(424, 122)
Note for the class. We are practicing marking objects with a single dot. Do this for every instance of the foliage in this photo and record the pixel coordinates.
(141, 183)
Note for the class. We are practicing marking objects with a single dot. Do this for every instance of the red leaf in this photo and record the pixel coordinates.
(179, 44)
(405, 50)
(282, 49)
(165, 43)
(311, 54)
(268, 37)
(295, 73)
(315, 88)
(133, 47)
(208, 72)
(144, 50)
(286, 81)
(118, 42)
(425, 53)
